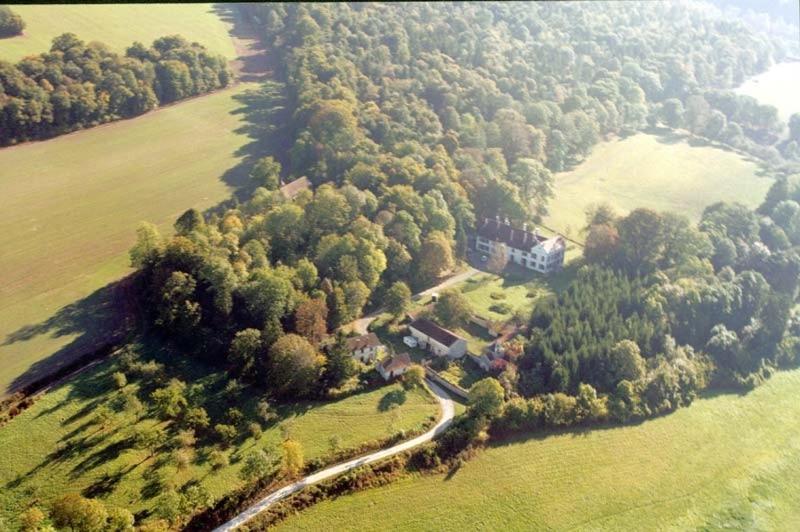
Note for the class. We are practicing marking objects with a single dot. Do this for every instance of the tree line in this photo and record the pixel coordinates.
(77, 85)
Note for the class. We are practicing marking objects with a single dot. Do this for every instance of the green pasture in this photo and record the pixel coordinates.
(728, 462)
(118, 26)
(55, 447)
(663, 173)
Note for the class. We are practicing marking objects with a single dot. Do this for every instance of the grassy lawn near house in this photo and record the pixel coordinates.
(727, 462)
(54, 448)
(517, 289)
(72, 204)
(497, 297)
(658, 172)
(463, 372)
(118, 26)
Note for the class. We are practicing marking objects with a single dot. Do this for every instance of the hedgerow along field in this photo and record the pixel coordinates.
(72, 204)
(104, 464)
(727, 462)
(117, 25)
(663, 173)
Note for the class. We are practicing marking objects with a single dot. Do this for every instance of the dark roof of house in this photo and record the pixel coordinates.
(430, 329)
(402, 360)
(500, 231)
(290, 190)
(360, 342)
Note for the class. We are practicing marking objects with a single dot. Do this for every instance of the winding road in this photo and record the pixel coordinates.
(446, 418)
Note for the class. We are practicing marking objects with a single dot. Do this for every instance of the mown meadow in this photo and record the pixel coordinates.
(663, 173)
(727, 462)
(117, 25)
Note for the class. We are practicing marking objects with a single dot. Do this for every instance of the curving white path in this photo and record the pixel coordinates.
(444, 421)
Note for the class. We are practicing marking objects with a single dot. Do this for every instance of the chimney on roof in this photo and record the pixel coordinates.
(507, 222)
(497, 217)
(536, 232)
(511, 237)
(525, 226)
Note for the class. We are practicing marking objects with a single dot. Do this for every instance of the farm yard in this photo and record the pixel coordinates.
(73, 204)
(663, 173)
(503, 300)
(73, 452)
(118, 26)
(720, 464)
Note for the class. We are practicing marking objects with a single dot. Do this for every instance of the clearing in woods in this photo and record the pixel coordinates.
(663, 173)
(118, 26)
(727, 462)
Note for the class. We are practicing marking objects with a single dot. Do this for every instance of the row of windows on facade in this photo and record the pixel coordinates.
(519, 253)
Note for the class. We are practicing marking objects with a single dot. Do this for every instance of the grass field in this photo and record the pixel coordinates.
(102, 463)
(661, 173)
(486, 291)
(777, 87)
(726, 462)
(117, 25)
(71, 206)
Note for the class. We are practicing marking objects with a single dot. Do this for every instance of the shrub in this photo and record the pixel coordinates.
(31, 519)
(266, 412)
(501, 308)
(226, 433)
(120, 380)
(182, 458)
(497, 295)
(185, 438)
(11, 23)
(234, 416)
(218, 459)
(424, 457)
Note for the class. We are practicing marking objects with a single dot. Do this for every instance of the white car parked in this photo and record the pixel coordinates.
(410, 341)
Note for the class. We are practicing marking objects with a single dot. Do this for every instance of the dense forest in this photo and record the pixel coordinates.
(77, 85)
(11, 23)
(542, 82)
(413, 121)
(663, 310)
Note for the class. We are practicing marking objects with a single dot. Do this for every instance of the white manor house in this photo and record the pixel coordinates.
(528, 249)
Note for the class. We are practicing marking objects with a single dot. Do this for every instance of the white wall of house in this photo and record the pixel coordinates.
(366, 354)
(537, 258)
(392, 373)
(456, 350)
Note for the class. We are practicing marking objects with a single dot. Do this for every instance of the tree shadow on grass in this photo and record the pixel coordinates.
(97, 321)
(253, 61)
(100, 457)
(265, 117)
(395, 397)
(104, 485)
(264, 110)
(455, 468)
